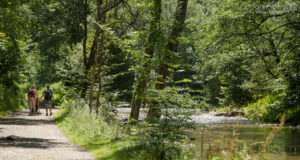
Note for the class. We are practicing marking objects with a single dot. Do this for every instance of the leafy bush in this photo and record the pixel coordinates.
(164, 138)
(292, 115)
(273, 107)
(59, 92)
(11, 60)
(86, 127)
(267, 109)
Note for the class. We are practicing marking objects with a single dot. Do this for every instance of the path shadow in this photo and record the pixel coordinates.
(14, 114)
(24, 121)
(24, 142)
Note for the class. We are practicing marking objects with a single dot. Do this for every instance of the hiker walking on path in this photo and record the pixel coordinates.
(48, 97)
(32, 96)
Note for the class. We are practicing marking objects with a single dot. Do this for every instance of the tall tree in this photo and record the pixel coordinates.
(172, 46)
(99, 77)
(97, 48)
(102, 9)
(144, 72)
(14, 26)
(100, 19)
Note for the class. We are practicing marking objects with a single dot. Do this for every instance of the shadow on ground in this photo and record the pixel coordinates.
(24, 142)
(24, 121)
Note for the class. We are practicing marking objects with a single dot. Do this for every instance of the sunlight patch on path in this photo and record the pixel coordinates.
(36, 138)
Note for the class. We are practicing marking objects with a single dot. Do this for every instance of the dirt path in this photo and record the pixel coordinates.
(24, 137)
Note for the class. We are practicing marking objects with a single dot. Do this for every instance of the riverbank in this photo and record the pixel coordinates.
(112, 141)
(98, 137)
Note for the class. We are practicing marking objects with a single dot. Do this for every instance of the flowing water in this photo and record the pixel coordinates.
(228, 137)
(246, 140)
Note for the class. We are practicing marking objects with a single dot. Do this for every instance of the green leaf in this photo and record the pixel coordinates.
(185, 80)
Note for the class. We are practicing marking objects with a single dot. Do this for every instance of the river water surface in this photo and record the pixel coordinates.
(246, 140)
(228, 137)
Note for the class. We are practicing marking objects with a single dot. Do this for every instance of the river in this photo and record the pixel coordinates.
(228, 137)
(248, 141)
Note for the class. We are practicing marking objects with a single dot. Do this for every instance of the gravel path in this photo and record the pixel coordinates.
(24, 137)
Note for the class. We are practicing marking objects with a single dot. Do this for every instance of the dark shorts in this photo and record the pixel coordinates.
(48, 101)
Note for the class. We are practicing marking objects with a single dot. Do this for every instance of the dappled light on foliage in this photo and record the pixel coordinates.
(171, 63)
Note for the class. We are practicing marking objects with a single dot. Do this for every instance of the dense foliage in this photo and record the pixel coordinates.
(160, 55)
(248, 50)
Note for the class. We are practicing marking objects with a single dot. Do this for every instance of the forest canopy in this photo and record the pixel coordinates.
(227, 53)
(163, 62)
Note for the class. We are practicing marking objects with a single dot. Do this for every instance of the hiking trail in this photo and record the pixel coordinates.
(24, 137)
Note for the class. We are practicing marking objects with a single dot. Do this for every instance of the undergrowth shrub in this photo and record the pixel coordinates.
(59, 92)
(291, 115)
(84, 126)
(165, 138)
(12, 98)
(266, 109)
(272, 108)
(282, 103)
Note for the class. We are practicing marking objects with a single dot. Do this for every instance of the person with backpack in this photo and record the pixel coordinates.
(32, 96)
(48, 97)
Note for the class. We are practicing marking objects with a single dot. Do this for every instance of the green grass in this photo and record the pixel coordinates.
(107, 150)
(4, 113)
(104, 147)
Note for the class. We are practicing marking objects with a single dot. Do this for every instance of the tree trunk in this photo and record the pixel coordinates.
(85, 28)
(102, 9)
(163, 70)
(142, 79)
(94, 55)
(84, 85)
(92, 83)
(101, 50)
(137, 99)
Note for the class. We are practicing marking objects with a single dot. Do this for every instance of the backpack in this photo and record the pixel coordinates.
(31, 93)
(48, 94)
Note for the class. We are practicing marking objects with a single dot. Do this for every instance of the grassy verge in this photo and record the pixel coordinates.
(95, 135)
